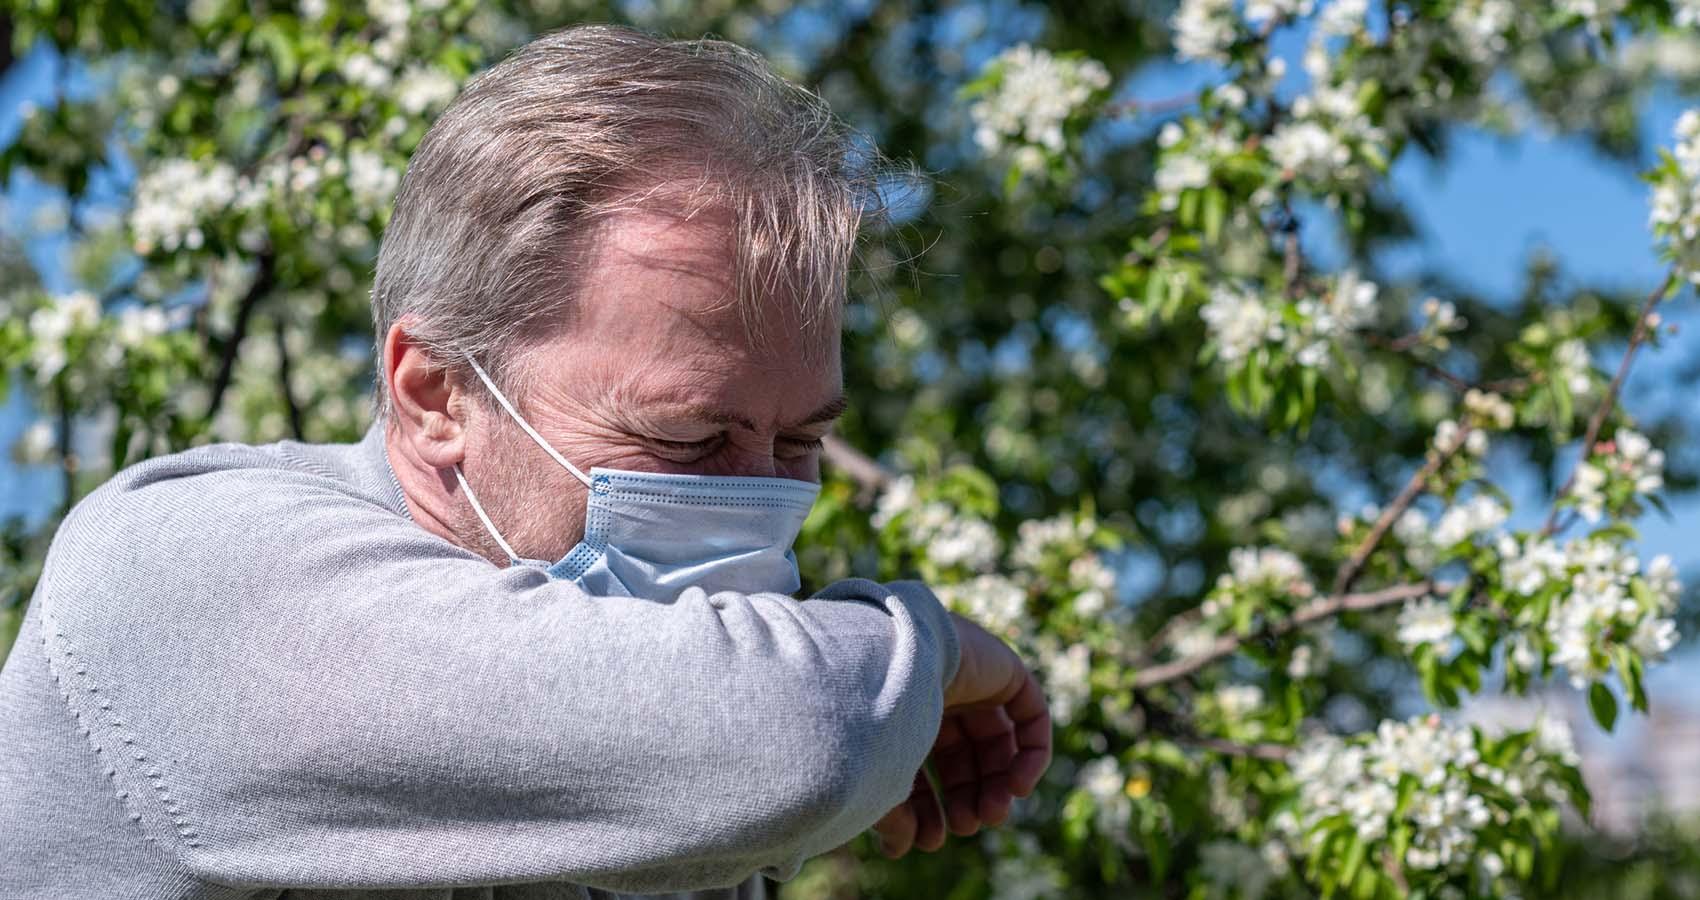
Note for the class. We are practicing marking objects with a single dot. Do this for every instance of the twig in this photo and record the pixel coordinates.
(1274, 752)
(1171, 626)
(1595, 424)
(1137, 106)
(295, 424)
(858, 465)
(262, 285)
(67, 458)
(1413, 489)
(1405, 343)
(1325, 608)
(1292, 261)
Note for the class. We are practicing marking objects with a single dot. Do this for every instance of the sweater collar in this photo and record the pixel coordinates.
(373, 473)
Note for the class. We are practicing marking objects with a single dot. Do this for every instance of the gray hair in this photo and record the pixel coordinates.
(500, 200)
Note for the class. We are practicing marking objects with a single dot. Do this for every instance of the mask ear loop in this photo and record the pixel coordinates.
(523, 424)
(479, 509)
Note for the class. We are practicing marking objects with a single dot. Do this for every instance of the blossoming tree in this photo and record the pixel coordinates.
(1136, 367)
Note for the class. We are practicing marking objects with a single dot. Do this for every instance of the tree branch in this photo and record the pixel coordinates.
(264, 280)
(1292, 257)
(295, 423)
(861, 468)
(1413, 489)
(1317, 610)
(1643, 324)
(67, 458)
(1272, 752)
(1166, 632)
(1404, 344)
(1137, 106)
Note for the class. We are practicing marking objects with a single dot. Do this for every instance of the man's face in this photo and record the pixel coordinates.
(654, 371)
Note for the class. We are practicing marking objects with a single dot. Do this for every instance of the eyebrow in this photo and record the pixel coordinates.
(828, 411)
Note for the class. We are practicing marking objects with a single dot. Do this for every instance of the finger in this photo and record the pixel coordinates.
(929, 815)
(993, 735)
(1032, 719)
(953, 756)
(896, 830)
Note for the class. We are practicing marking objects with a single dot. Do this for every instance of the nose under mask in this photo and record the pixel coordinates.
(651, 535)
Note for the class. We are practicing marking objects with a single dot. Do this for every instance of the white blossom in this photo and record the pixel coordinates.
(898, 498)
(1204, 29)
(1441, 315)
(948, 537)
(1026, 873)
(1037, 93)
(1037, 539)
(1489, 410)
(51, 325)
(1342, 17)
(1596, 607)
(1479, 515)
(1267, 569)
(1239, 321)
(174, 198)
(1481, 27)
(1307, 150)
(35, 446)
(1236, 701)
(1236, 869)
(1103, 781)
(1361, 780)
(1179, 172)
(1574, 365)
(137, 324)
(363, 70)
(963, 541)
(1629, 458)
(1094, 584)
(389, 14)
(371, 179)
(1429, 621)
(1597, 13)
(991, 601)
(424, 88)
(1260, 11)
(1067, 677)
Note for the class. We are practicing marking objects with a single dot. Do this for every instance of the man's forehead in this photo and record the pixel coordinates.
(656, 324)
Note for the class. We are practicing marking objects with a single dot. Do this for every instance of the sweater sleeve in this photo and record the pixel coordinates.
(295, 687)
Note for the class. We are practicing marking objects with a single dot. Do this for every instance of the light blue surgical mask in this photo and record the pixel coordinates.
(651, 535)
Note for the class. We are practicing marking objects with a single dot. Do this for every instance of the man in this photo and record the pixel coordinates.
(533, 636)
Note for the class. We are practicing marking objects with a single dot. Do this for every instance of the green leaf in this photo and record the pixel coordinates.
(1351, 859)
(1629, 669)
(1603, 704)
(1215, 207)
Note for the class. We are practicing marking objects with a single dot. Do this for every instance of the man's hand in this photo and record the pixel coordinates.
(994, 742)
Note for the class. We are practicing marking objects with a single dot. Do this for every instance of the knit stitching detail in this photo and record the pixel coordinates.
(71, 674)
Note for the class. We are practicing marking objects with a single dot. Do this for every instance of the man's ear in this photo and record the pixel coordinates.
(430, 408)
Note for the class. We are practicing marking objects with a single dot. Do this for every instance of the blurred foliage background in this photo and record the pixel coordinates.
(226, 169)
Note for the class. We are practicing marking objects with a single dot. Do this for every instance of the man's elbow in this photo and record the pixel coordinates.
(857, 766)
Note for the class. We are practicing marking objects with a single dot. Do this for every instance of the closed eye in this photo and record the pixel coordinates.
(686, 450)
(795, 447)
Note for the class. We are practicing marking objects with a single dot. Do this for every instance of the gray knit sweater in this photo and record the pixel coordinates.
(247, 673)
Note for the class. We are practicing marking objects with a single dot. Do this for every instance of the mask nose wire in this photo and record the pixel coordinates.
(524, 424)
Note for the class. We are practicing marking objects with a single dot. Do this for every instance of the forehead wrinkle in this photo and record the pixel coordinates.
(630, 401)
